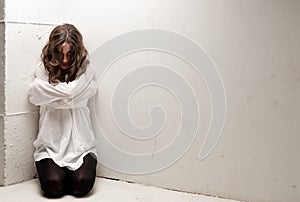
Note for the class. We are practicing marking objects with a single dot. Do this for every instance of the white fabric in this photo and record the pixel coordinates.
(65, 129)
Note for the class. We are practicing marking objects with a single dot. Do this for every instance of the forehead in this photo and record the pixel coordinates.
(65, 47)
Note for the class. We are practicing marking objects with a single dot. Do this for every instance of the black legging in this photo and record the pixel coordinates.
(58, 181)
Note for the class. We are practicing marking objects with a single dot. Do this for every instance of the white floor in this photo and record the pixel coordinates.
(105, 190)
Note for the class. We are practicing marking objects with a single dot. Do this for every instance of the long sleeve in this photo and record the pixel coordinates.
(62, 95)
(65, 133)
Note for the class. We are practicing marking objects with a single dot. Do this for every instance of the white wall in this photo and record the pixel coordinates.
(27, 29)
(254, 44)
(256, 47)
(2, 97)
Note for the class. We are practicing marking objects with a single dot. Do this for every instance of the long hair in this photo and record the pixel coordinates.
(52, 56)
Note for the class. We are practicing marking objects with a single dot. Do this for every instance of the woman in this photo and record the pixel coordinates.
(65, 148)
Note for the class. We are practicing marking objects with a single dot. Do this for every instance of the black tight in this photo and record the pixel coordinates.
(57, 181)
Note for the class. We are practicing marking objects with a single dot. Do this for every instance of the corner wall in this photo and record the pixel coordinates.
(256, 47)
(27, 27)
(2, 90)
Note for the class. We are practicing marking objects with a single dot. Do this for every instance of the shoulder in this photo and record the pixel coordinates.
(41, 72)
(90, 68)
(88, 71)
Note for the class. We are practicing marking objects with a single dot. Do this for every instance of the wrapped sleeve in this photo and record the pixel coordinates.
(62, 95)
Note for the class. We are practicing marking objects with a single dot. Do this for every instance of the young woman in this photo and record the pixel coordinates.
(65, 148)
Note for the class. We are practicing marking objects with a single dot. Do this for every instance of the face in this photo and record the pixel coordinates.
(66, 51)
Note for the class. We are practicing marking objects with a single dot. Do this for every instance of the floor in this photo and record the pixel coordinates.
(105, 190)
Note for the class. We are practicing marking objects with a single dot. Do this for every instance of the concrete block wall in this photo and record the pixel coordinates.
(256, 47)
(26, 31)
(2, 89)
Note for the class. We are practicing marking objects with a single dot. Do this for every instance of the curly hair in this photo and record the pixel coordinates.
(52, 55)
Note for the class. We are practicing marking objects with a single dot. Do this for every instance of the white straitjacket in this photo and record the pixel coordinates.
(65, 129)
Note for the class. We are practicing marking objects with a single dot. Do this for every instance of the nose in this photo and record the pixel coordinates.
(65, 58)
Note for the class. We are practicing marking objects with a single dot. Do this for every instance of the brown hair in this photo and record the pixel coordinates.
(52, 56)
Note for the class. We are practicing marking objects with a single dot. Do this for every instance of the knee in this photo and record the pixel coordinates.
(83, 185)
(53, 188)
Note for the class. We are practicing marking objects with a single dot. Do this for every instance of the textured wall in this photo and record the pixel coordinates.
(2, 11)
(22, 117)
(254, 44)
(2, 90)
(27, 26)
